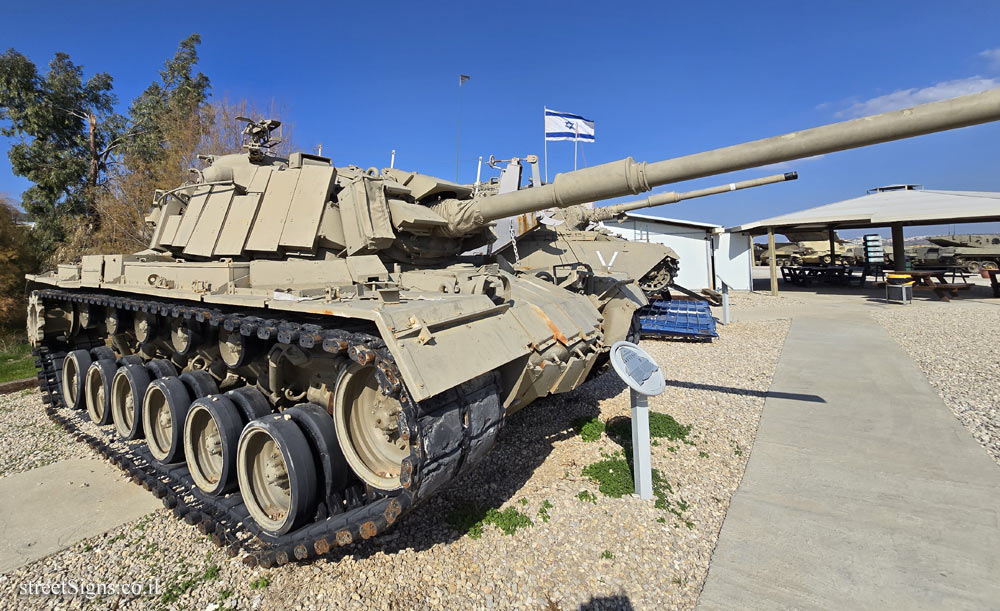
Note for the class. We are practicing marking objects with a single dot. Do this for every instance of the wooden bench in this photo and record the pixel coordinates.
(944, 291)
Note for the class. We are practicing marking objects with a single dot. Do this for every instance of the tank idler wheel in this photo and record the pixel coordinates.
(318, 427)
(276, 473)
(74, 370)
(127, 391)
(164, 410)
(144, 325)
(211, 439)
(185, 336)
(199, 383)
(367, 425)
(98, 390)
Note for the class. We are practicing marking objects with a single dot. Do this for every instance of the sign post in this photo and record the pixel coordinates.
(643, 376)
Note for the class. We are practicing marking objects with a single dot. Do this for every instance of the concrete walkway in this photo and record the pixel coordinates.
(863, 490)
(52, 507)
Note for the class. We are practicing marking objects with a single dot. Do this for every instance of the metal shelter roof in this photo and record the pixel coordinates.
(899, 204)
(660, 219)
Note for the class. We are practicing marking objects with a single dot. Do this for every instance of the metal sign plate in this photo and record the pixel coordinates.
(637, 369)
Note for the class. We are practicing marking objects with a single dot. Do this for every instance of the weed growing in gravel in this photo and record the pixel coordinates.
(660, 425)
(116, 538)
(224, 594)
(260, 583)
(543, 511)
(615, 479)
(523, 500)
(590, 429)
(587, 496)
(471, 520)
(211, 573)
(661, 520)
(607, 555)
(703, 454)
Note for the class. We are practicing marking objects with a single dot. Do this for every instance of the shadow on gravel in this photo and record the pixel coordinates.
(599, 603)
(523, 445)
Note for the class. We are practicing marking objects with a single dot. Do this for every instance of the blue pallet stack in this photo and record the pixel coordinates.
(676, 318)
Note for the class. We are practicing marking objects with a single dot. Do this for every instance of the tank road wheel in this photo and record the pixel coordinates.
(825, 259)
(277, 474)
(127, 390)
(74, 370)
(972, 267)
(98, 390)
(164, 409)
(989, 265)
(211, 438)
(368, 428)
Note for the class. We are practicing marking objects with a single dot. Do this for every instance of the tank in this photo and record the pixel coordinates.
(813, 248)
(971, 252)
(303, 353)
(570, 236)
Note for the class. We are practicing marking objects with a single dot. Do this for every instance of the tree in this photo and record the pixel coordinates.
(66, 129)
(17, 258)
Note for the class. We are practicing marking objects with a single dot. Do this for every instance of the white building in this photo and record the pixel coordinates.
(706, 251)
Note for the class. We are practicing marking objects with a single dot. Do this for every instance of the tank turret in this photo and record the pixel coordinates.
(257, 206)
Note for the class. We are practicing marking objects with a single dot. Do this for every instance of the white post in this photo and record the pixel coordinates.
(479, 171)
(641, 461)
(545, 139)
(576, 142)
(392, 159)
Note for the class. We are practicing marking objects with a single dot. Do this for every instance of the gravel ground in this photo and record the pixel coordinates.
(955, 346)
(28, 439)
(610, 553)
(757, 300)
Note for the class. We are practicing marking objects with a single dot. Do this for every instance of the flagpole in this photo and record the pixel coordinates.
(576, 141)
(458, 127)
(545, 140)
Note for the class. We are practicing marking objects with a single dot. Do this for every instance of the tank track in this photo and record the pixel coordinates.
(449, 433)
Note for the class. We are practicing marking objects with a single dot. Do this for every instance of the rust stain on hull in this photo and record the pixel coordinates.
(556, 333)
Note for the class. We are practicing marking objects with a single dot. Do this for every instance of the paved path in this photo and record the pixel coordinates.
(47, 509)
(862, 491)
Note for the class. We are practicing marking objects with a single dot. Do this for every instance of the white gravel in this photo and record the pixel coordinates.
(955, 344)
(717, 388)
(28, 439)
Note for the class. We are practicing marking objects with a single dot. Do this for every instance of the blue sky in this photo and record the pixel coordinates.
(660, 79)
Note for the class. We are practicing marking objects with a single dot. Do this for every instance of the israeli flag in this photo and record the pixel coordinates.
(567, 126)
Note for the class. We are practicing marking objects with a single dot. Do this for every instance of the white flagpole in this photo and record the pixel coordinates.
(546, 145)
(576, 141)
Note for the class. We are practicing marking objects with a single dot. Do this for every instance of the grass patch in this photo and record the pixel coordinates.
(472, 520)
(590, 429)
(543, 511)
(16, 362)
(260, 583)
(614, 478)
(661, 426)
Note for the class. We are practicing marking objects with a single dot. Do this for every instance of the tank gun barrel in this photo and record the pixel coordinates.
(661, 199)
(628, 177)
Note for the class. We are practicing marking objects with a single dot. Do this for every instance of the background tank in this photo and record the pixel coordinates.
(971, 252)
(302, 355)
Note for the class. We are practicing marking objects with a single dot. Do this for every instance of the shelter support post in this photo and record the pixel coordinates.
(898, 248)
(773, 264)
(833, 245)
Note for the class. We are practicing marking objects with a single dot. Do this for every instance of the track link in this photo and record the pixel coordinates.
(448, 434)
